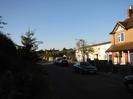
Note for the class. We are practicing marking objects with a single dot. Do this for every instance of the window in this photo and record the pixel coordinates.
(121, 37)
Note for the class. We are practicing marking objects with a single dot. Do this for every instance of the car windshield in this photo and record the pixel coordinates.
(85, 64)
(59, 59)
(64, 58)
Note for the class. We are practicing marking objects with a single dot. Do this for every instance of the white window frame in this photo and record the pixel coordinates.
(120, 38)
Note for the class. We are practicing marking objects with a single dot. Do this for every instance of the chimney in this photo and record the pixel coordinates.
(130, 11)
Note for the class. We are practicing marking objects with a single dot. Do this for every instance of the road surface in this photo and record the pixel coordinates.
(66, 84)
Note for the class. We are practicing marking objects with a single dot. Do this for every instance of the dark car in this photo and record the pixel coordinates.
(128, 81)
(84, 67)
(58, 60)
(61, 61)
(64, 62)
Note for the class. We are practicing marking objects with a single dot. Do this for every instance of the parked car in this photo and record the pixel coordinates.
(61, 61)
(84, 67)
(64, 62)
(58, 60)
(128, 81)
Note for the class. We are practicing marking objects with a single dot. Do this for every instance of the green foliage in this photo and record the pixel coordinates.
(51, 53)
(70, 53)
(30, 45)
(91, 50)
(19, 79)
(7, 45)
(29, 42)
(40, 54)
(2, 23)
(64, 51)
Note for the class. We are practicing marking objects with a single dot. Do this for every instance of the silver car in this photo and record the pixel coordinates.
(84, 67)
(58, 60)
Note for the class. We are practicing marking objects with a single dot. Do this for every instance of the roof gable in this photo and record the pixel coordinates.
(118, 27)
(126, 24)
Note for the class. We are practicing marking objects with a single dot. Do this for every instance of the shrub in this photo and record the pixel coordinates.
(19, 79)
(7, 45)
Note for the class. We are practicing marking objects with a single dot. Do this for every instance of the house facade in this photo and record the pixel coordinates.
(99, 52)
(122, 40)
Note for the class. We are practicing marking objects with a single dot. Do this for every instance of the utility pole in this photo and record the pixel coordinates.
(83, 49)
(82, 46)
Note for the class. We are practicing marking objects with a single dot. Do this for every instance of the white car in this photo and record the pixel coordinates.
(58, 60)
(62, 61)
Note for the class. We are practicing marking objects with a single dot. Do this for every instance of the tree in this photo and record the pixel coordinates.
(7, 45)
(81, 45)
(2, 22)
(84, 48)
(51, 53)
(29, 42)
(88, 50)
(64, 52)
(30, 46)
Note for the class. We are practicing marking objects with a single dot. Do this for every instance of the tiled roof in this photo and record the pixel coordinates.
(121, 47)
(126, 24)
(98, 44)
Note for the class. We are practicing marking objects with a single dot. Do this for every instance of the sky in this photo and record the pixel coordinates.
(60, 23)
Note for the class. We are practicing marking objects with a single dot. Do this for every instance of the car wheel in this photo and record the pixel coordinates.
(130, 87)
(73, 69)
(81, 71)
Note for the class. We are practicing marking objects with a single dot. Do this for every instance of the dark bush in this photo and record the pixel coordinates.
(7, 45)
(103, 65)
(19, 79)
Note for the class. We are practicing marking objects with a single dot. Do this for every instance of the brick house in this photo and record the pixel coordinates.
(122, 40)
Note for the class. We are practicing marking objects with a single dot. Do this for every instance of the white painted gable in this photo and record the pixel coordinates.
(119, 28)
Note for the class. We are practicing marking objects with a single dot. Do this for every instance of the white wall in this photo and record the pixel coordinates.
(98, 49)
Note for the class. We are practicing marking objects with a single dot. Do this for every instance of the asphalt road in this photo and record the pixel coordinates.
(66, 84)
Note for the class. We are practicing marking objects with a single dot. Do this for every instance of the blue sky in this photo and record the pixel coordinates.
(59, 22)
